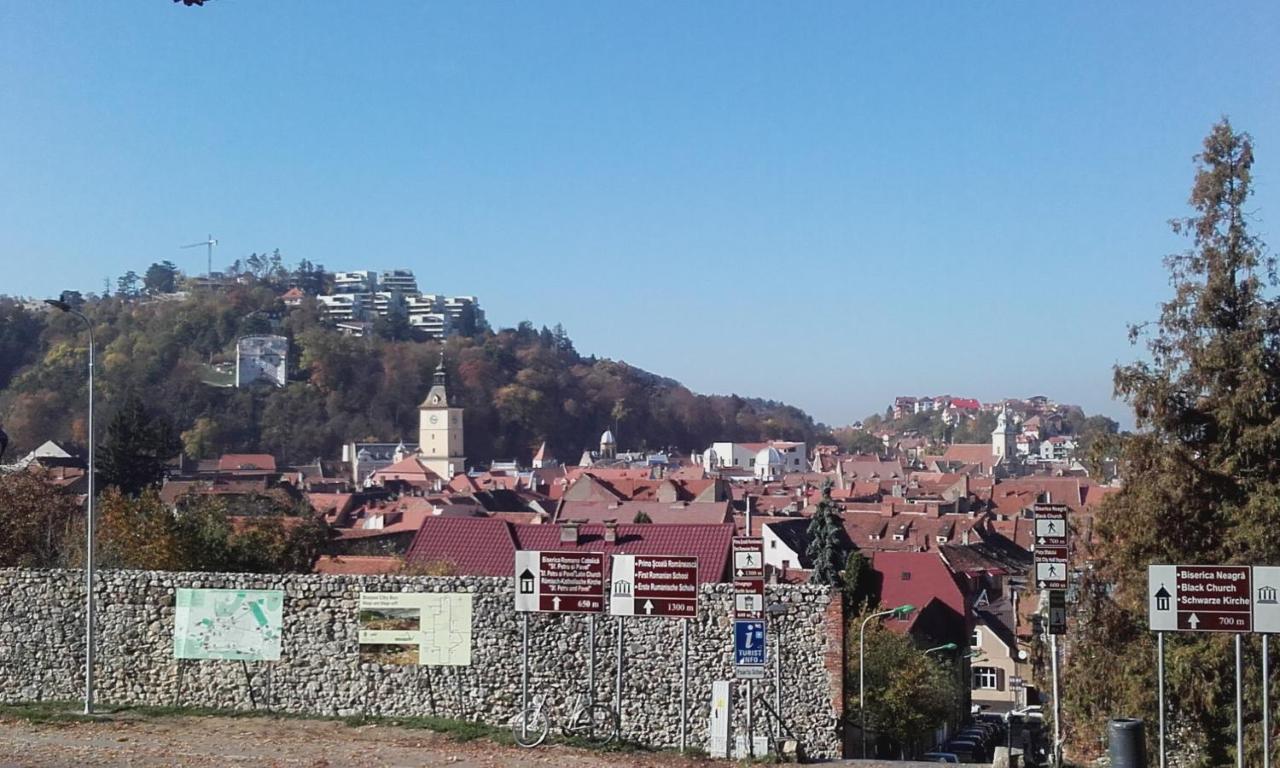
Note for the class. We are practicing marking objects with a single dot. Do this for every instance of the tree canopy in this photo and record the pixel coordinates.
(1201, 477)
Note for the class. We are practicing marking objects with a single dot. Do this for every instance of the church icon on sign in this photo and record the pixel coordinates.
(1162, 598)
(1267, 596)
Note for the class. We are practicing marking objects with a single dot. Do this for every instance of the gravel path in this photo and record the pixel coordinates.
(201, 742)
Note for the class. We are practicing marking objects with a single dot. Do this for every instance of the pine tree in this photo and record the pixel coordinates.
(1201, 476)
(824, 531)
(136, 448)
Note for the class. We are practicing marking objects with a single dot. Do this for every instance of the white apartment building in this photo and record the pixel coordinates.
(401, 280)
(746, 456)
(359, 281)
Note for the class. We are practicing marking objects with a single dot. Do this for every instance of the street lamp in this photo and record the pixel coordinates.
(88, 549)
(943, 647)
(898, 613)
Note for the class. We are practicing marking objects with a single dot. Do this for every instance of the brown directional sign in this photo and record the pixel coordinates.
(654, 585)
(1214, 598)
(1051, 547)
(748, 577)
(559, 582)
(748, 557)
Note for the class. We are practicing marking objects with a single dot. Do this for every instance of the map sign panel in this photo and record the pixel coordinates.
(238, 624)
(1200, 598)
(559, 582)
(654, 585)
(431, 628)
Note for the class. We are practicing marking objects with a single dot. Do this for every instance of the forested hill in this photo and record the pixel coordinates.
(519, 386)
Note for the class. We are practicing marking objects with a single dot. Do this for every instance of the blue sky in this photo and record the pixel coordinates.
(827, 204)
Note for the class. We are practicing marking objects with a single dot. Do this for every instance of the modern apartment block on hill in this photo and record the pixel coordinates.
(361, 296)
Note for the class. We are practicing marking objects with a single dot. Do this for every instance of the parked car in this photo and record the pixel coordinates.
(969, 750)
(940, 757)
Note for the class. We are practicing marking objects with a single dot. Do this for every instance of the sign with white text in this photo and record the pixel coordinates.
(1200, 598)
(559, 582)
(654, 586)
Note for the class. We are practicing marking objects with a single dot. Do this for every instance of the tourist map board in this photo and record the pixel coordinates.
(238, 624)
(430, 628)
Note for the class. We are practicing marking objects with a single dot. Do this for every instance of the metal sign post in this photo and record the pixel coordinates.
(591, 659)
(524, 662)
(1160, 690)
(684, 681)
(617, 693)
(1057, 710)
(1266, 704)
(1239, 703)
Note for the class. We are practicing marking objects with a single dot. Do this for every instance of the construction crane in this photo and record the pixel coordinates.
(209, 242)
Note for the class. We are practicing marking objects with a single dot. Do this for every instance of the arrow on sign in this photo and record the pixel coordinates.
(1194, 621)
(1040, 540)
(1042, 585)
(555, 603)
(648, 606)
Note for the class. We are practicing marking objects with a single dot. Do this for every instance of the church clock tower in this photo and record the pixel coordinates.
(440, 429)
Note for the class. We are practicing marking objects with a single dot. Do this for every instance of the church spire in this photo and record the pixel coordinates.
(438, 397)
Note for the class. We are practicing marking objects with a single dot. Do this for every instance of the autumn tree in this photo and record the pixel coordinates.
(1201, 475)
(825, 540)
(36, 519)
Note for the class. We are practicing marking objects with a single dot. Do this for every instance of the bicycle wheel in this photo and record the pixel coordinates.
(530, 727)
(599, 724)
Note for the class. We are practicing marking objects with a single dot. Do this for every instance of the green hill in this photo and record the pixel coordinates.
(520, 385)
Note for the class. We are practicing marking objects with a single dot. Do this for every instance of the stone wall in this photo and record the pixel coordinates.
(320, 672)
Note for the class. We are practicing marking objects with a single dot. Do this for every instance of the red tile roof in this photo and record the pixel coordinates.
(659, 512)
(231, 462)
(917, 578)
(475, 546)
(486, 546)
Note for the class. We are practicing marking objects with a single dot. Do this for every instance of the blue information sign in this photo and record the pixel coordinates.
(748, 643)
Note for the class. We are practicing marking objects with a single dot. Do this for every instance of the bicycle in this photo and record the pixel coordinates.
(595, 722)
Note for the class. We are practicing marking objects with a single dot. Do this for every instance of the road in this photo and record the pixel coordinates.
(215, 742)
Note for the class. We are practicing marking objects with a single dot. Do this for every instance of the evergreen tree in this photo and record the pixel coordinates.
(824, 533)
(1201, 476)
(856, 582)
(135, 449)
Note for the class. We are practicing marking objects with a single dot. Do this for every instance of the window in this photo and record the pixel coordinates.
(975, 641)
(985, 678)
(753, 463)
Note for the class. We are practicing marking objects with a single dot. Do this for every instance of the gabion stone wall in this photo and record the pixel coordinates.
(320, 671)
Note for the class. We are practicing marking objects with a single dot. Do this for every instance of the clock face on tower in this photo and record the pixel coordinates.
(433, 418)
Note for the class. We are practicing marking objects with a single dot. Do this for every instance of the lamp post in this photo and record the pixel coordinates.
(898, 613)
(88, 548)
(943, 647)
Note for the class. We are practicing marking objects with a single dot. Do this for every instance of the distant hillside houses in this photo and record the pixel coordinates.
(360, 297)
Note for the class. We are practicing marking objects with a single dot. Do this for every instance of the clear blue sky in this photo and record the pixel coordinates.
(828, 204)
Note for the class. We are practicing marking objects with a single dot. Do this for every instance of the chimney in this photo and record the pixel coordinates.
(611, 531)
(569, 532)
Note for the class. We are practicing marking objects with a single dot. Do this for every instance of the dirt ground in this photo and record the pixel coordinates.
(216, 742)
